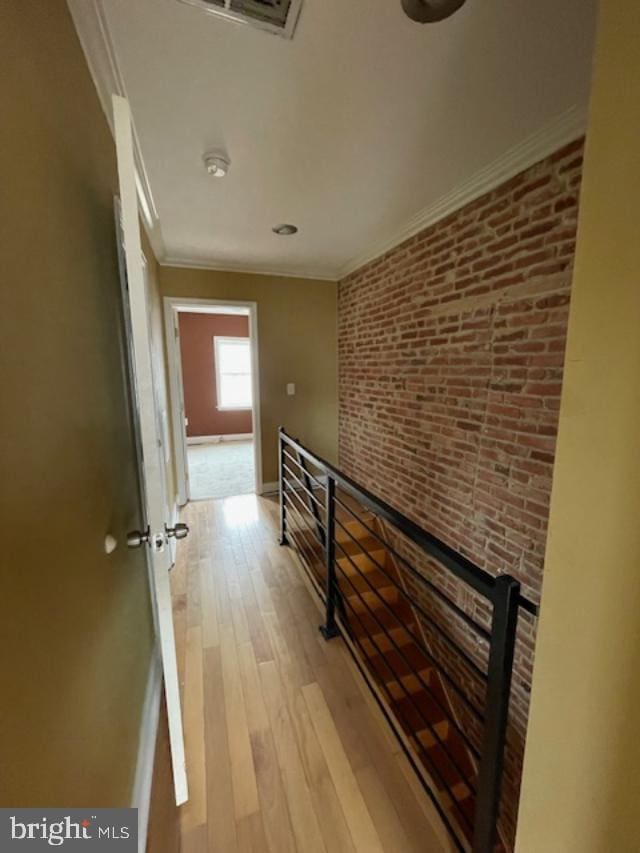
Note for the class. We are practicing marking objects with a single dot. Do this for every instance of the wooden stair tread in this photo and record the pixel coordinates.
(417, 711)
(355, 528)
(412, 683)
(409, 659)
(379, 643)
(360, 545)
(362, 563)
(363, 623)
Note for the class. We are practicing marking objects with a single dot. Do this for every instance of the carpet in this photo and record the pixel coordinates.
(221, 470)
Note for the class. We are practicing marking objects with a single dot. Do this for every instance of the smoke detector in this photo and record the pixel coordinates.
(431, 11)
(216, 163)
(275, 16)
(285, 229)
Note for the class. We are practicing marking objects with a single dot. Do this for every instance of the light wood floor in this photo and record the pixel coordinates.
(285, 749)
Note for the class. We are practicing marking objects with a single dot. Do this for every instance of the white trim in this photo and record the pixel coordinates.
(91, 24)
(216, 439)
(270, 488)
(567, 127)
(176, 403)
(142, 783)
(172, 306)
(247, 269)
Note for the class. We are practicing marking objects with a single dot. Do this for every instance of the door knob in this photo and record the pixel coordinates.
(178, 531)
(136, 538)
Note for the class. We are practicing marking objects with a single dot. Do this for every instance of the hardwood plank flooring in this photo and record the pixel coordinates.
(285, 754)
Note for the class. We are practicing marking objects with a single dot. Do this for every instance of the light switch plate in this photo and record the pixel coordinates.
(291, 388)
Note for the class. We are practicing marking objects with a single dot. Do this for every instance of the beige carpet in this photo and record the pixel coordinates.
(221, 470)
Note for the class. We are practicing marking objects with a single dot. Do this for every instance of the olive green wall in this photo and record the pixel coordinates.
(580, 791)
(297, 338)
(75, 624)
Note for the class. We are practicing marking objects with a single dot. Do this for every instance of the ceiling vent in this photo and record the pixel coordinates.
(274, 16)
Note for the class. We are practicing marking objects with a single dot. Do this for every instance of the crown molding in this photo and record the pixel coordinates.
(566, 127)
(247, 269)
(93, 31)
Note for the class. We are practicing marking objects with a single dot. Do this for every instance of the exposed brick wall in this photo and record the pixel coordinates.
(451, 351)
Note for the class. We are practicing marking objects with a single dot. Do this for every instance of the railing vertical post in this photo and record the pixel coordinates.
(281, 482)
(503, 636)
(330, 629)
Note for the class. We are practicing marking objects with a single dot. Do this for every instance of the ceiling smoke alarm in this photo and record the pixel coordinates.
(285, 230)
(216, 164)
(431, 11)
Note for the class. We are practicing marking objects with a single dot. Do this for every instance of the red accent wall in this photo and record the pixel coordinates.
(199, 373)
(451, 352)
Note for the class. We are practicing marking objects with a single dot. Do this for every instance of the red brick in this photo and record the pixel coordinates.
(450, 414)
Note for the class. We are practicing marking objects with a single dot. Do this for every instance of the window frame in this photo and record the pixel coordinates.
(219, 340)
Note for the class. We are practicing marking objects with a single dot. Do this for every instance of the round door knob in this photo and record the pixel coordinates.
(136, 538)
(178, 531)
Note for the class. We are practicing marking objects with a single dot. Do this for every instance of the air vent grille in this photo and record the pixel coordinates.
(275, 16)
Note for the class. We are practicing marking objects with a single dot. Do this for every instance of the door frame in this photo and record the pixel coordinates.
(172, 305)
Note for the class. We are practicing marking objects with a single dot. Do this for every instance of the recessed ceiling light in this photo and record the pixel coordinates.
(216, 163)
(285, 230)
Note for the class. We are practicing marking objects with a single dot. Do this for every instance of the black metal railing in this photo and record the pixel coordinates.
(441, 676)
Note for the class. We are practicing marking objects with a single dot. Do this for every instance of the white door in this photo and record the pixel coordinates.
(158, 532)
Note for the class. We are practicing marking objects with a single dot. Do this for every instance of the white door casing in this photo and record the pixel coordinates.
(151, 440)
(176, 382)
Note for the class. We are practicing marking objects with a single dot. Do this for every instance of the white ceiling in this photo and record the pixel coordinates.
(350, 130)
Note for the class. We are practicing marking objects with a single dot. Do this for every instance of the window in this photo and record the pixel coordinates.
(233, 372)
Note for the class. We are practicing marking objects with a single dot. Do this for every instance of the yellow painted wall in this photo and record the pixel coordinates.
(581, 790)
(75, 624)
(297, 336)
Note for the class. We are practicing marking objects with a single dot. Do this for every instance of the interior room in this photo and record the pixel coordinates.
(217, 382)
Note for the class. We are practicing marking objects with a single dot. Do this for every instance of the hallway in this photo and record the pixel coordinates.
(285, 749)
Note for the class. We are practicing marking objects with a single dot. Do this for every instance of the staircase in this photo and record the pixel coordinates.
(442, 677)
(384, 629)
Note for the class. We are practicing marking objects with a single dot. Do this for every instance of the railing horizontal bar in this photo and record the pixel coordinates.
(427, 724)
(355, 650)
(303, 487)
(400, 588)
(419, 641)
(473, 575)
(476, 577)
(397, 677)
(318, 546)
(318, 482)
(306, 522)
(416, 574)
(462, 567)
(411, 669)
(473, 666)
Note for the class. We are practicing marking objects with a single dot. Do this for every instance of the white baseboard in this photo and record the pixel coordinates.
(269, 488)
(141, 795)
(214, 439)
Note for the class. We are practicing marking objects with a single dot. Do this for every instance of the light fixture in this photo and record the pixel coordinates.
(430, 11)
(216, 163)
(285, 230)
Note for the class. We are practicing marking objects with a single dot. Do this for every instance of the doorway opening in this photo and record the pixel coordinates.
(213, 368)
